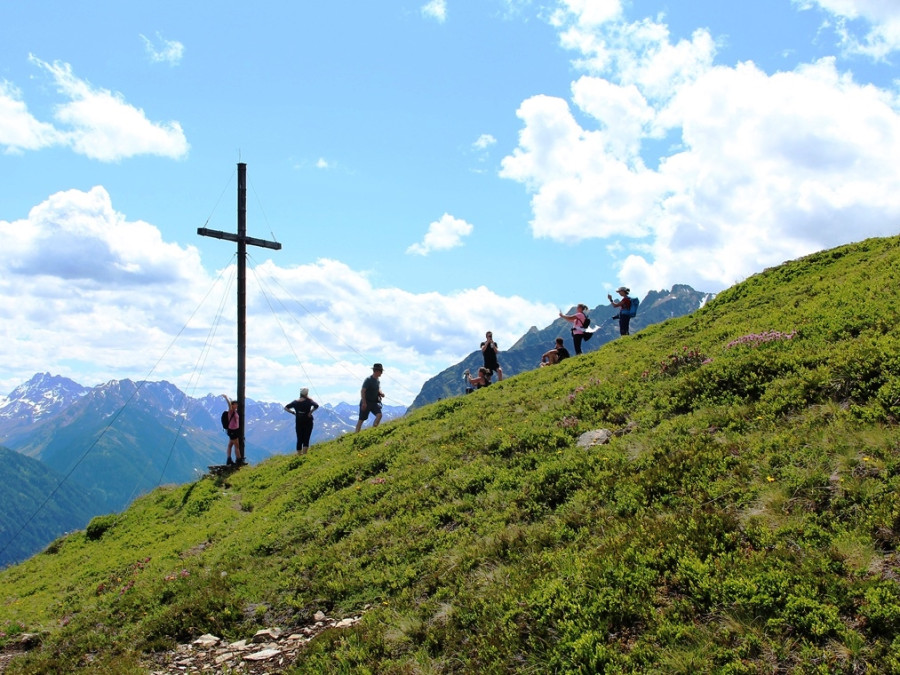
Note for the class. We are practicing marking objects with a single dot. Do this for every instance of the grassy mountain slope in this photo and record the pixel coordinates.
(526, 353)
(743, 518)
(27, 485)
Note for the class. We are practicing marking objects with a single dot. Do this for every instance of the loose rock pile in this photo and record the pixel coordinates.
(271, 650)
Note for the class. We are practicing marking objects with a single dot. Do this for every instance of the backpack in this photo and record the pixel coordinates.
(225, 420)
(587, 322)
(634, 307)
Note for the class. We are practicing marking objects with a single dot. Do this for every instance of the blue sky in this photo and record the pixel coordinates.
(432, 169)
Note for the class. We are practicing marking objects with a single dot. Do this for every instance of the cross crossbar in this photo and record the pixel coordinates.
(253, 241)
(242, 241)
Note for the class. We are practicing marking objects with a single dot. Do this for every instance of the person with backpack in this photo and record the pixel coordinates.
(302, 409)
(231, 422)
(579, 322)
(370, 398)
(489, 352)
(627, 307)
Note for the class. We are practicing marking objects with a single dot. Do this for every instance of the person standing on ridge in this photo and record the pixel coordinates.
(302, 409)
(577, 321)
(624, 307)
(370, 398)
(234, 433)
(489, 352)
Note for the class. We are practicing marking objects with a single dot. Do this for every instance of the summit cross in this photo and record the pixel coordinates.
(242, 242)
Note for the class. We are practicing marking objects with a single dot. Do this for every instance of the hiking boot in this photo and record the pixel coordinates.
(230, 462)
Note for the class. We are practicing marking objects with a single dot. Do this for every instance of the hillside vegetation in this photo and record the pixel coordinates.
(35, 508)
(526, 353)
(744, 516)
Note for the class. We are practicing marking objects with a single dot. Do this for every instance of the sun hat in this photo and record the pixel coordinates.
(304, 392)
(623, 289)
(378, 366)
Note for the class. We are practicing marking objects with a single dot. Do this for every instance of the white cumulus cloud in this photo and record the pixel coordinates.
(93, 122)
(484, 141)
(90, 294)
(755, 169)
(443, 234)
(19, 130)
(869, 27)
(436, 9)
(163, 51)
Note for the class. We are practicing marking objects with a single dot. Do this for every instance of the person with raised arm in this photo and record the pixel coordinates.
(234, 433)
(624, 307)
(577, 320)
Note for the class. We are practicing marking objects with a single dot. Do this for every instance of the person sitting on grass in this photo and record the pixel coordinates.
(555, 355)
(483, 379)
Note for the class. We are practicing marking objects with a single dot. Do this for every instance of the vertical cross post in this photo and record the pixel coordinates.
(242, 240)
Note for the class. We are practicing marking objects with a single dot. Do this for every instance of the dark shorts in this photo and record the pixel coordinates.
(234, 434)
(371, 409)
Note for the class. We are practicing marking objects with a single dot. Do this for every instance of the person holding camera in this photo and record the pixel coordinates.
(483, 379)
(624, 307)
(577, 320)
(489, 352)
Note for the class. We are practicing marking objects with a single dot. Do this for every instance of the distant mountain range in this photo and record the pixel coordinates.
(110, 443)
(526, 353)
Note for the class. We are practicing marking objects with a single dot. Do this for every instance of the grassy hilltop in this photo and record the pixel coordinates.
(743, 518)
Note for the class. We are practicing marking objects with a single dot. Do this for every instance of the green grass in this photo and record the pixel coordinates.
(744, 518)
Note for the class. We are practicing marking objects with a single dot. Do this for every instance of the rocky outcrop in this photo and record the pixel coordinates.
(270, 650)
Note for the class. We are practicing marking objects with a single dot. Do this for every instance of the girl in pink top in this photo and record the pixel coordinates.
(577, 321)
(234, 433)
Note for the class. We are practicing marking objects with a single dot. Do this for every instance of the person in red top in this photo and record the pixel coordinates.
(624, 307)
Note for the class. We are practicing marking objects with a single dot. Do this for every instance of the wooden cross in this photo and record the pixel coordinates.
(242, 241)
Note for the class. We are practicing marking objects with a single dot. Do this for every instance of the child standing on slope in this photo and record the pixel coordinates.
(234, 433)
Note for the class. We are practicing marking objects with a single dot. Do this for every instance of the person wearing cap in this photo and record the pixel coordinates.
(302, 409)
(624, 307)
(577, 320)
(370, 398)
